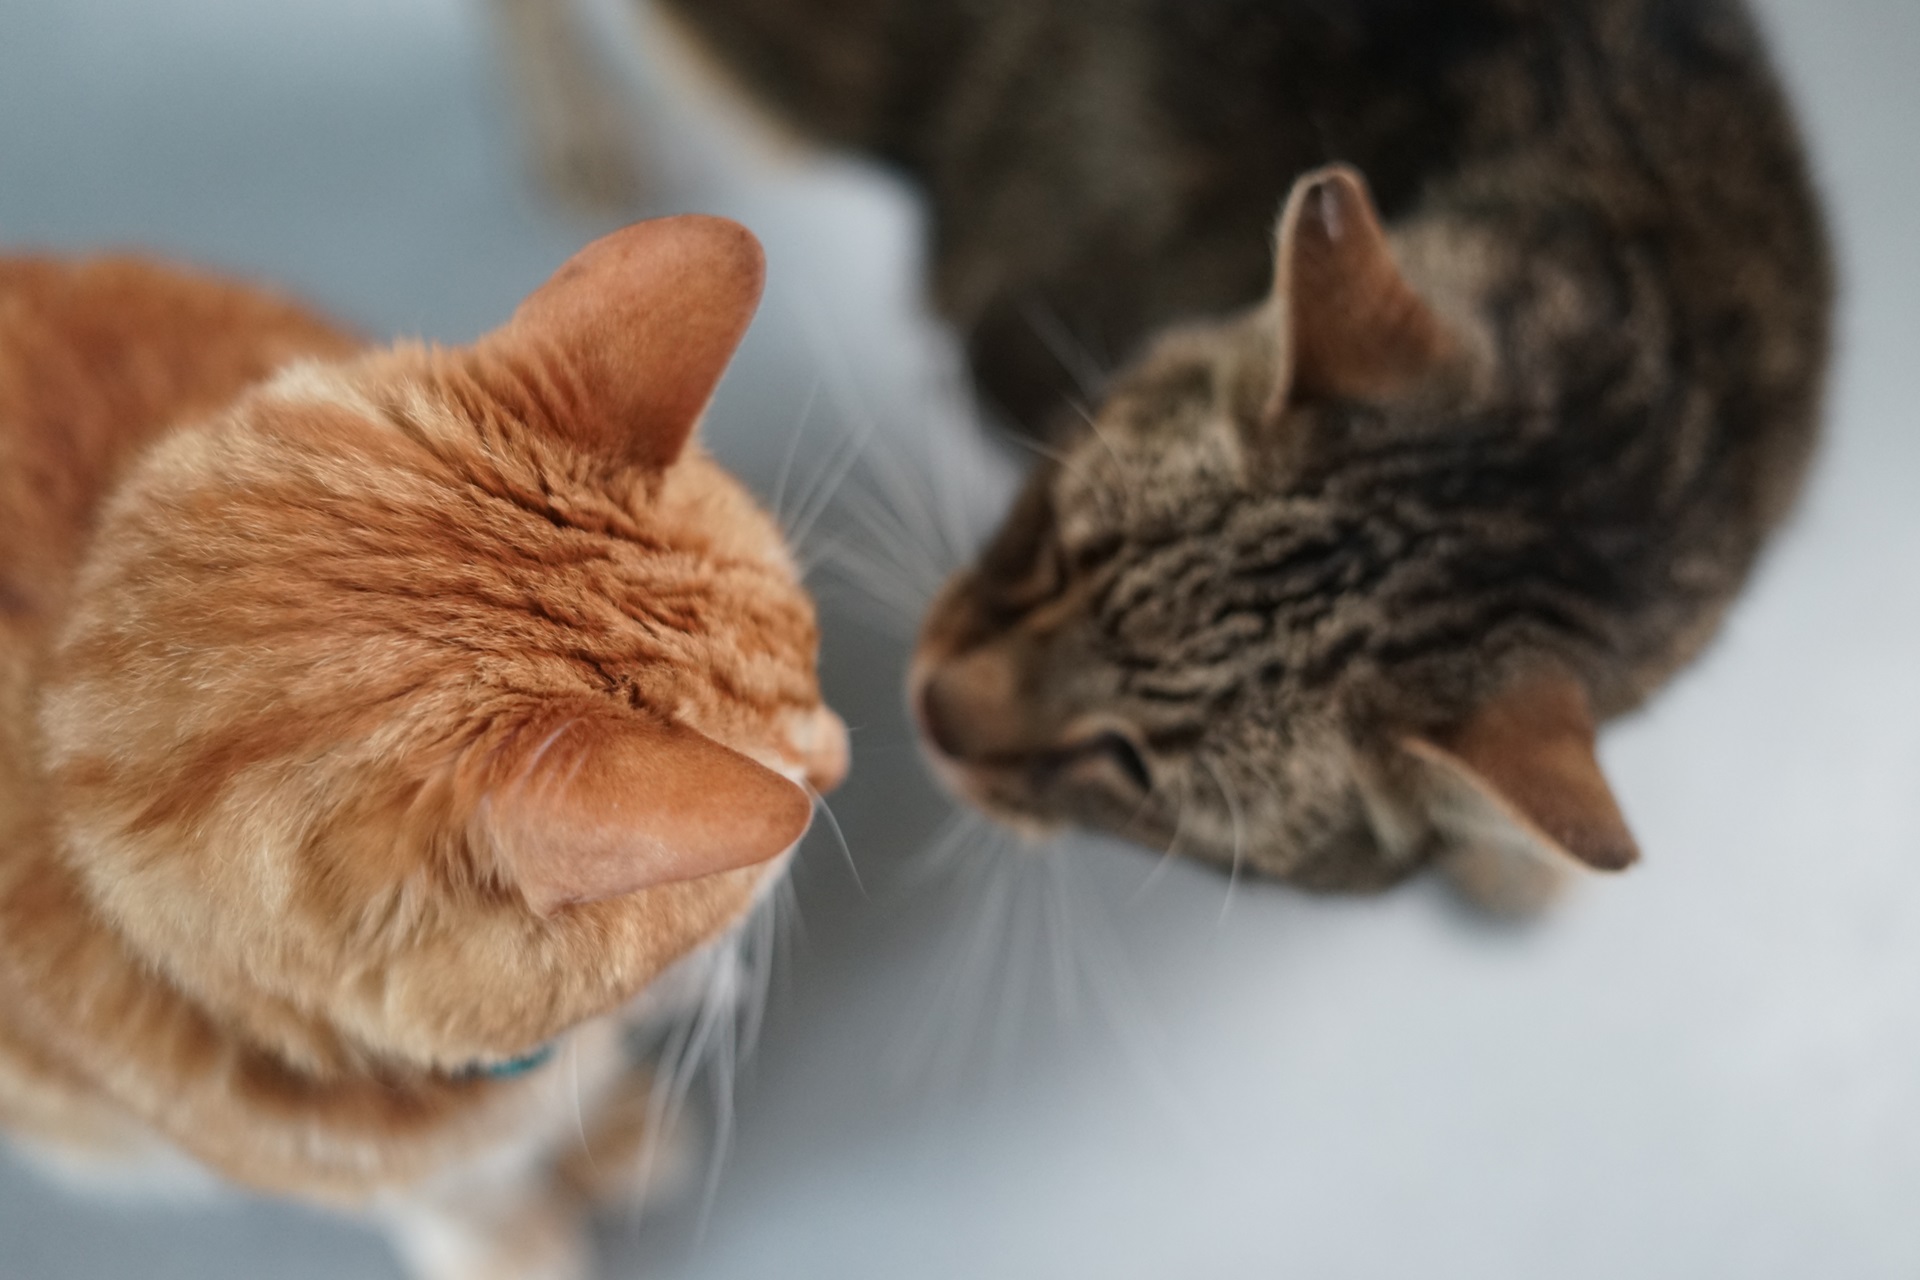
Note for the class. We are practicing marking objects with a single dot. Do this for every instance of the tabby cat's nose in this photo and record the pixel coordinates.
(937, 719)
(968, 708)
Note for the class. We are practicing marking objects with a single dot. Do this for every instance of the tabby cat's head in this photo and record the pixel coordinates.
(422, 705)
(1227, 620)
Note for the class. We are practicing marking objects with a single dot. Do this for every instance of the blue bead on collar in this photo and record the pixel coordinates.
(512, 1068)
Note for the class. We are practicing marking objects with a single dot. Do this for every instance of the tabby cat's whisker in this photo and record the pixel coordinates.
(1093, 425)
(902, 562)
(807, 561)
(903, 495)
(937, 856)
(1063, 345)
(909, 546)
(918, 530)
(1172, 852)
(896, 604)
(842, 389)
(982, 488)
(778, 504)
(937, 498)
(1113, 989)
(959, 985)
(1232, 801)
(1060, 457)
(1004, 987)
(1059, 929)
(840, 460)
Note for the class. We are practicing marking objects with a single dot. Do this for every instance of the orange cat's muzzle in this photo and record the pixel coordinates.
(821, 743)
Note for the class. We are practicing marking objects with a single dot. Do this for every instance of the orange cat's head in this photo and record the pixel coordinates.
(422, 705)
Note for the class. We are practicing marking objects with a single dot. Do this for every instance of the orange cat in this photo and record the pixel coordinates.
(375, 723)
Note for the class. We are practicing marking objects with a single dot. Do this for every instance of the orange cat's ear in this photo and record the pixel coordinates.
(621, 350)
(602, 808)
(1521, 773)
(1349, 325)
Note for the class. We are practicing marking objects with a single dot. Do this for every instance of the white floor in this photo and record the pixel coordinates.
(1012, 1068)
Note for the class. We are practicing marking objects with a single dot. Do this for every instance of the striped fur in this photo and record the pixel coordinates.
(1604, 201)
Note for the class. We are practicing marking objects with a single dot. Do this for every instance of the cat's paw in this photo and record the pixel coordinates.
(635, 1152)
(542, 1237)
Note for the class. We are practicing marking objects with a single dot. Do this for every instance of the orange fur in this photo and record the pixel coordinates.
(339, 688)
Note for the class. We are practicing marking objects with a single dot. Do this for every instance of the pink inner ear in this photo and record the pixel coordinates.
(1529, 753)
(1353, 325)
(621, 350)
(603, 809)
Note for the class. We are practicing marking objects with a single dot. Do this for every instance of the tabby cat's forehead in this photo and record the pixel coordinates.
(1167, 449)
(1113, 484)
(1240, 573)
(1167, 398)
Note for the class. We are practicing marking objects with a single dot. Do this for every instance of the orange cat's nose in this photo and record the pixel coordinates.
(826, 754)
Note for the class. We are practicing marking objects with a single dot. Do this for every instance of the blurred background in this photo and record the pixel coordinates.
(981, 1062)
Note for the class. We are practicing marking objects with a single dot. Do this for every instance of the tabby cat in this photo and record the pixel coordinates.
(378, 725)
(1391, 501)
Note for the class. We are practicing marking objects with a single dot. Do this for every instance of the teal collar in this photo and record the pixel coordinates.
(512, 1068)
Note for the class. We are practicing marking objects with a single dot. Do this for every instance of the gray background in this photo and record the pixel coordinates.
(987, 1064)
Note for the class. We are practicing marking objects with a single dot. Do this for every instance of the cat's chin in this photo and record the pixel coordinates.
(992, 791)
(1008, 794)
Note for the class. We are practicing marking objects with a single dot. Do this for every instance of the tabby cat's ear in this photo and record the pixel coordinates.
(1520, 774)
(1348, 324)
(600, 807)
(621, 350)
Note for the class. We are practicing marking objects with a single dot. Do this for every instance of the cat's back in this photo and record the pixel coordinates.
(1098, 169)
(97, 356)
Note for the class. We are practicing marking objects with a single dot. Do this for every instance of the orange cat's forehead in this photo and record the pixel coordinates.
(380, 544)
(704, 504)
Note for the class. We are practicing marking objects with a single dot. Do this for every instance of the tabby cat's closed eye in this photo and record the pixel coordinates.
(1468, 352)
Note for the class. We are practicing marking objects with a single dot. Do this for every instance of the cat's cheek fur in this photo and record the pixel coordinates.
(433, 982)
(471, 1218)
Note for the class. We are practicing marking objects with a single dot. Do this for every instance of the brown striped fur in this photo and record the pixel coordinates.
(1348, 548)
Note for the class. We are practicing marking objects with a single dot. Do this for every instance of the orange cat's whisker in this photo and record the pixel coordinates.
(840, 837)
